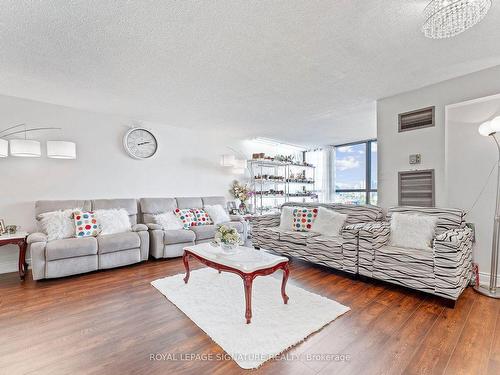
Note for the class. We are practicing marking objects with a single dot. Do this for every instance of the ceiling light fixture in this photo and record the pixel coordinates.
(25, 148)
(4, 148)
(447, 18)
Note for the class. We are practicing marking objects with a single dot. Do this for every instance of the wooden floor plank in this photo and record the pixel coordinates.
(471, 355)
(113, 321)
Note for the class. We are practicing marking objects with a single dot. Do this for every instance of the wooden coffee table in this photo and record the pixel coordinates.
(246, 262)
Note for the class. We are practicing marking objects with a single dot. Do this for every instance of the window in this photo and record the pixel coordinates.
(355, 172)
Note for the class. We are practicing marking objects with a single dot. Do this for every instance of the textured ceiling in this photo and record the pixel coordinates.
(303, 71)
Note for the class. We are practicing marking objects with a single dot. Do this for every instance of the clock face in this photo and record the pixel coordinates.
(140, 143)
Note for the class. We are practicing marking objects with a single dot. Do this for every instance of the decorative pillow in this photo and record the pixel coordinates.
(85, 224)
(329, 222)
(186, 216)
(303, 218)
(218, 214)
(168, 221)
(58, 224)
(286, 219)
(201, 217)
(412, 231)
(113, 221)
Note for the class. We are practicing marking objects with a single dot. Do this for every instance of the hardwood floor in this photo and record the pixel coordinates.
(110, 322)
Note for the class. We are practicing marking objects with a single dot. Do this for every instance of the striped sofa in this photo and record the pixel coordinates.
(444, 272)
(339, 252)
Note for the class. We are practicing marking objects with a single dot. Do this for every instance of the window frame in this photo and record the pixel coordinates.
(368, 172)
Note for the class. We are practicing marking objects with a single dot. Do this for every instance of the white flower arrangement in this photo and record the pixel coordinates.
(227, 236)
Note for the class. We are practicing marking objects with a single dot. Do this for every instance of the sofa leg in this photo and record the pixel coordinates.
(256, 247)
(449, 303)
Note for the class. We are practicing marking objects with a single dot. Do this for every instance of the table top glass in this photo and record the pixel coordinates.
(244, 259)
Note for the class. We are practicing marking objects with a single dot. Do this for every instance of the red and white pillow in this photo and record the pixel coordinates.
(186, 216)
(85, 224)
(303, 218)
(201, 217)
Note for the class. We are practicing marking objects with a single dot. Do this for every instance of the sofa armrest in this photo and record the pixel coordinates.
(375, 234)
(139, 228)
(153, 226)
(236, 218)
(452, 240)
(36, 237)
(265, 221)
(452, 262)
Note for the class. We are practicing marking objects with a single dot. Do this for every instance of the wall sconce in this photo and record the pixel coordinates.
(228, 160)
(61, 150)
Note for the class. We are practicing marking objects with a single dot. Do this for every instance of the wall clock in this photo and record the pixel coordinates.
(140, 143)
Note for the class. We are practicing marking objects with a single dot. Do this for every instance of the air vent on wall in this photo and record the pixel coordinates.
(416, 188)
(421, 118)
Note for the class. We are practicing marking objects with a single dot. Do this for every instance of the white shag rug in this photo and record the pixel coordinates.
(216, 303)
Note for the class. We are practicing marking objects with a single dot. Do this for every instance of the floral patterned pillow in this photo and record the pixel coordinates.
(303, 218)
(201, 217)
(85, 224)
(186, 216)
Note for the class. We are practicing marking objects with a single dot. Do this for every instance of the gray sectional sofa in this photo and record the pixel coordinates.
(70, 256)
(170, 243)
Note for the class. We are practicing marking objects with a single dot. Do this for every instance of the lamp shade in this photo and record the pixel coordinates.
(495, 124)
(485, 129)
(61, 150)
(25, 148)
(4, 148)
(228, 160)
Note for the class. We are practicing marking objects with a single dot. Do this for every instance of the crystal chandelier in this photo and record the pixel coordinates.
(447, 18)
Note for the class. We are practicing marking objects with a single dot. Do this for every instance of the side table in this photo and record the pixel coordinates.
(18, 239)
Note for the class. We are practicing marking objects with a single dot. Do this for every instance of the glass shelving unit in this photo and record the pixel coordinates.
(275, 183)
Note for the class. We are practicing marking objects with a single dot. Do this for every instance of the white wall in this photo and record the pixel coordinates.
(187, 163)
(394, 148)
(470, 158)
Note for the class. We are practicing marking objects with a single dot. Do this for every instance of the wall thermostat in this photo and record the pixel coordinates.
(415, 159)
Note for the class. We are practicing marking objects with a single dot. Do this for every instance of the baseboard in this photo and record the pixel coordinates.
(484, 278)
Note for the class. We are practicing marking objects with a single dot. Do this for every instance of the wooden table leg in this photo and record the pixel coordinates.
(286, 272)
(185, 260)
(23, 266)
(247, 281)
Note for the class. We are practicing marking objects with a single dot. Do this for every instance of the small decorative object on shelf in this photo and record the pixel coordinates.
(11, 229)
(227, 237)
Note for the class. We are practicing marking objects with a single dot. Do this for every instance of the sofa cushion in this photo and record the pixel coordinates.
(270, 233)
(186, 216)
(189, 202)
(109, 243)
(303, 218)
(299, 238)
(204, 232)
(176, 236)
(331, 242)
(71, 247)
(408, 260)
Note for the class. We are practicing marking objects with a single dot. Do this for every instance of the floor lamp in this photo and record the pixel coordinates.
(487, 129)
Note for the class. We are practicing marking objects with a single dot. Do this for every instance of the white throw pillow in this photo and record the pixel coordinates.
(329, 222)
(217, 213)
(412, 231)
(286, 219)
(58, 224)
(113, 221)
(168, 221)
